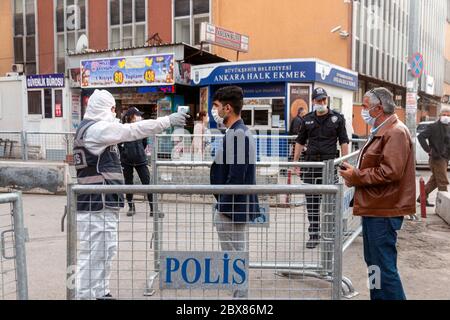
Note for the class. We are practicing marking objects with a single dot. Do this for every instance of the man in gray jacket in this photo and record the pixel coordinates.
(435, 141)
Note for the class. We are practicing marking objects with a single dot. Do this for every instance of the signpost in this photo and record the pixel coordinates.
(416, 66)
(215, 35)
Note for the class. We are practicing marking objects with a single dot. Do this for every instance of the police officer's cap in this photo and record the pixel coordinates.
(133, 111)
(319, 94)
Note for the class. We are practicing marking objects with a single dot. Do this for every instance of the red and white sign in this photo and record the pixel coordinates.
(218, 36)
(411, 102)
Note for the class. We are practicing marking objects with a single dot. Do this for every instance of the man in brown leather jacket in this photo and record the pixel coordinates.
(385, 184)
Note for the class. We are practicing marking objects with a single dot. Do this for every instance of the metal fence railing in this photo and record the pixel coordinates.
(27, 145)
(13, 265)
(58, 146)
(185, 250)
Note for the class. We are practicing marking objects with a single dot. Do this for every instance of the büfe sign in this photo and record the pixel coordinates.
(218, 36)
(204, 270)
(136, 71)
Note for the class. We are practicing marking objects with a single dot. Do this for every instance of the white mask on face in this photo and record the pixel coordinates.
(137, 119)
(319, 108)
(445, 119)
(218, 119)
(113, 116)
(365, 114)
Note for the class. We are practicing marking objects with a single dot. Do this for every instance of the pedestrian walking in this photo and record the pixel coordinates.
(435, 140)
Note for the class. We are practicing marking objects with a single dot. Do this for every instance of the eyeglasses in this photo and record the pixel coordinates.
(376, 95)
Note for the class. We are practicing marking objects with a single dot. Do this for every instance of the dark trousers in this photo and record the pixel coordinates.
(313, 176)
(439, 178)
(144, 176)
(380, 254)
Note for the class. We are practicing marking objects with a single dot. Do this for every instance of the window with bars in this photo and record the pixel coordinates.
(25, 35)
(71, 23)
(127, 23)
(188, 17)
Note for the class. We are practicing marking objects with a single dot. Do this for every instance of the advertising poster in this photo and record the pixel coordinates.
(151, 70)
(76, 110)
(299, 96)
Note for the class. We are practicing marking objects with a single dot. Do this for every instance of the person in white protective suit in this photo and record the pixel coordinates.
(97, 162)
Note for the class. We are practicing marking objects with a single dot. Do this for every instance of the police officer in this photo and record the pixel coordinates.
(321, 130)
(97, 163)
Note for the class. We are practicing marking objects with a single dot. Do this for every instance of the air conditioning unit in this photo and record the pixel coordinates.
(17, 68)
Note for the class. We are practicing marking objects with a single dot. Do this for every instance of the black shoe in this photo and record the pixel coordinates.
(312, 242)
(427, 204)
(106, 297)
(160, 214)
(131, 212)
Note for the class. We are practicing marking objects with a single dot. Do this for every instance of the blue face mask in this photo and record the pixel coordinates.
(365, 114)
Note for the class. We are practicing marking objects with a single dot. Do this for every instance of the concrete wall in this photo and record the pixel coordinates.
(7, 47)
(443, 206)
(286, 28)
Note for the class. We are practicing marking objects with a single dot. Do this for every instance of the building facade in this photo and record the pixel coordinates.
(367, 36)
(446, 96)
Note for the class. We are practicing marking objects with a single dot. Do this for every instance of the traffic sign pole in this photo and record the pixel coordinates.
(416, 65)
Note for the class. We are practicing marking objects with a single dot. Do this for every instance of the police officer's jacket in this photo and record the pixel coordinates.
(97, 159)
(321, 135)
(103, 169)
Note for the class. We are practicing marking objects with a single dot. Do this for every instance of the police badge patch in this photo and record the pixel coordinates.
(334, 119)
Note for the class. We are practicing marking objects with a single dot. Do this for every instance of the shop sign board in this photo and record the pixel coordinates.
(132, 71)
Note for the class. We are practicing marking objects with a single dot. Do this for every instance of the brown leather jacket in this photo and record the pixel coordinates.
(386, 179)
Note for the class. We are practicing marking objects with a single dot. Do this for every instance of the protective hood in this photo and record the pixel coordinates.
(99, 106)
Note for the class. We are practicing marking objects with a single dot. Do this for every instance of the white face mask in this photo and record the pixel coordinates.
(319, 108)
(137, 119)
(218, 119)
(365, 114)
(113, 116)
(445, 119)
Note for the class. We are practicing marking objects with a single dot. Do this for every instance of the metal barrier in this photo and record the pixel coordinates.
(11, 145)
(13, 265)
(28, 145)
(57, 146)
(183, 250)
(50, 146)
(190, 147)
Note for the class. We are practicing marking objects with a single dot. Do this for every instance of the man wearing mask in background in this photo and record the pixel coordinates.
(385, 187)
(438, 148)
(97, 162)
(321, 130)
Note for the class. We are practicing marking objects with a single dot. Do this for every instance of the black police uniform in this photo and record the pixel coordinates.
(320, 134)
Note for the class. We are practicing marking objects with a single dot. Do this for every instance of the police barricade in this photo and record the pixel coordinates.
(13, 265)
(11, 145)
(351, 225)
(49, 146)
(202, 147)
(192, 252)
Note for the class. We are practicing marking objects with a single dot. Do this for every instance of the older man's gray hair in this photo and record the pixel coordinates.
(444, 109)
(381, 96)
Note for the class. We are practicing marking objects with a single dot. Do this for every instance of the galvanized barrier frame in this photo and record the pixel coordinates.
(19, 233)
(335, 277)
